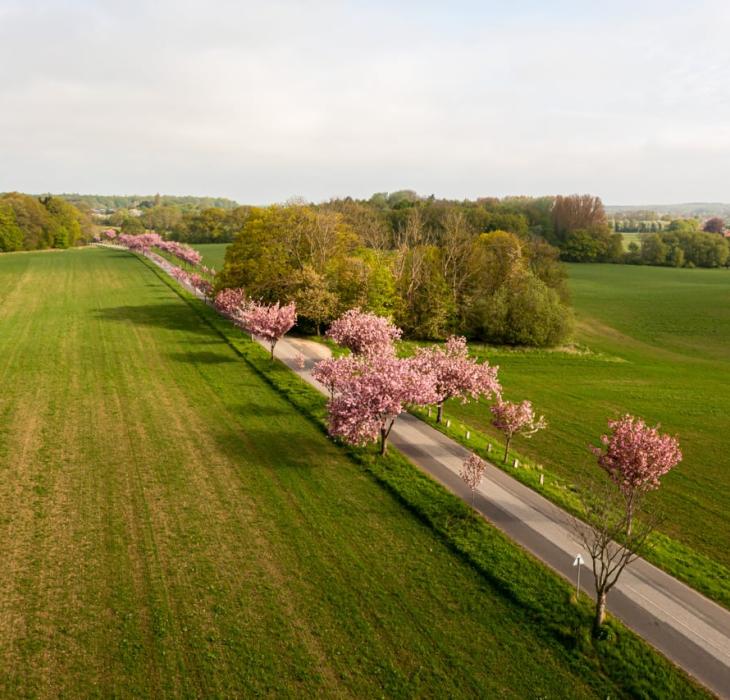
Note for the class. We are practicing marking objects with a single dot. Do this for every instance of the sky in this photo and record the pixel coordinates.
(263, 101)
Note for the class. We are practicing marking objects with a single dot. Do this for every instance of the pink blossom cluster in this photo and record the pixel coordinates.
(472, 471)
(364, 333)
(203, 285)
(191, 279)
(110, 234)
(516, 418)
(335, 372)
(231, 302)
(142, 242)
(636, 455)
(181, 251)
(371, 392)
(269, 322)
(456, 375)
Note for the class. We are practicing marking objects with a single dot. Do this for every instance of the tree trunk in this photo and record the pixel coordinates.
(629, 515)
(506, 448)
(439, 411)
(383, 441)
(600, 613)
(272, 351)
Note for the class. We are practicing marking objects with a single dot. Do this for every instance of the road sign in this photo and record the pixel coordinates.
(578, 561)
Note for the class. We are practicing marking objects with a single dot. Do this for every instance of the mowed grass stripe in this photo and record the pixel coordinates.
(172, 528)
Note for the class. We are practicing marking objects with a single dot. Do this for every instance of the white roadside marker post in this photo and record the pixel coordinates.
(578, 561)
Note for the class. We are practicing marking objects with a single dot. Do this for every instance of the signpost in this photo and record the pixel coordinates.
(578, 562)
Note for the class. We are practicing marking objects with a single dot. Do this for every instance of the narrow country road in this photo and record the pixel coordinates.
(688, 628)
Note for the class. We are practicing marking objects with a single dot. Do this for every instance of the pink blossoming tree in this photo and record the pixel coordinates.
(371, 392)
(472, 473)
(269, 322)
(516, 419)
(364, 333)
(456, 375)
(231, 302)
(635, 457)
(335, 371)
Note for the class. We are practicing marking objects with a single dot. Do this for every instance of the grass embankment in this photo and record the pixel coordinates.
(541, 596)
(173, 528)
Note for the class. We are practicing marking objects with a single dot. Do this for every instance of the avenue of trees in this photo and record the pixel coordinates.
(35, 223)
(371, 386)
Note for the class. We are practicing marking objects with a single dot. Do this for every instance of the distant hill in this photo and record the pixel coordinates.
(688, 209)
(134, 201)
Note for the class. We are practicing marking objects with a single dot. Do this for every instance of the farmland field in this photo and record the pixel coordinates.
(659, 342)
(172, 527)
(213, 253)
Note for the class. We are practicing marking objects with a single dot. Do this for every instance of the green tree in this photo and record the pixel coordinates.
(11, 235)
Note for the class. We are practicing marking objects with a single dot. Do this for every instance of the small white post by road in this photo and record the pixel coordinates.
(578, 562)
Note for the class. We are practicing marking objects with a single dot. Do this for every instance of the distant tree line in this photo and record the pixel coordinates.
(114, 202)
(35, 223)
(683, 244)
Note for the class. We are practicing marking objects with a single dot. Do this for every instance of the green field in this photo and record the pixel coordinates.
(213, 254)
(172, 527)
(659, 343)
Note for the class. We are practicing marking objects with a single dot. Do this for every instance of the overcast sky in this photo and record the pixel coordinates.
(260, 101)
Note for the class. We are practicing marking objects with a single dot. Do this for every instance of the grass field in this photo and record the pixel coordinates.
(213, 254)
(173, 528)
(660, 348)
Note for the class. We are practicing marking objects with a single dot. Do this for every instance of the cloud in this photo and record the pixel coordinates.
(260, 101)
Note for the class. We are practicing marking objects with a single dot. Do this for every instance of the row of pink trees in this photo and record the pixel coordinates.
(373, 386)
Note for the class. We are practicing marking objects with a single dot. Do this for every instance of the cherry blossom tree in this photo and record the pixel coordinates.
(110, 234)
(456, 375)
(181, 251)
(636, 456)
(335, 371)
(516, 419)
(141, 243)
(269, 322)
(231, 302)
(370, 395)
(472, 472)
(364, 333)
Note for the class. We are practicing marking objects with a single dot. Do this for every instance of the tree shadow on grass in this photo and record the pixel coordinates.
(280, 448)
(171, 316)
(202, 357)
